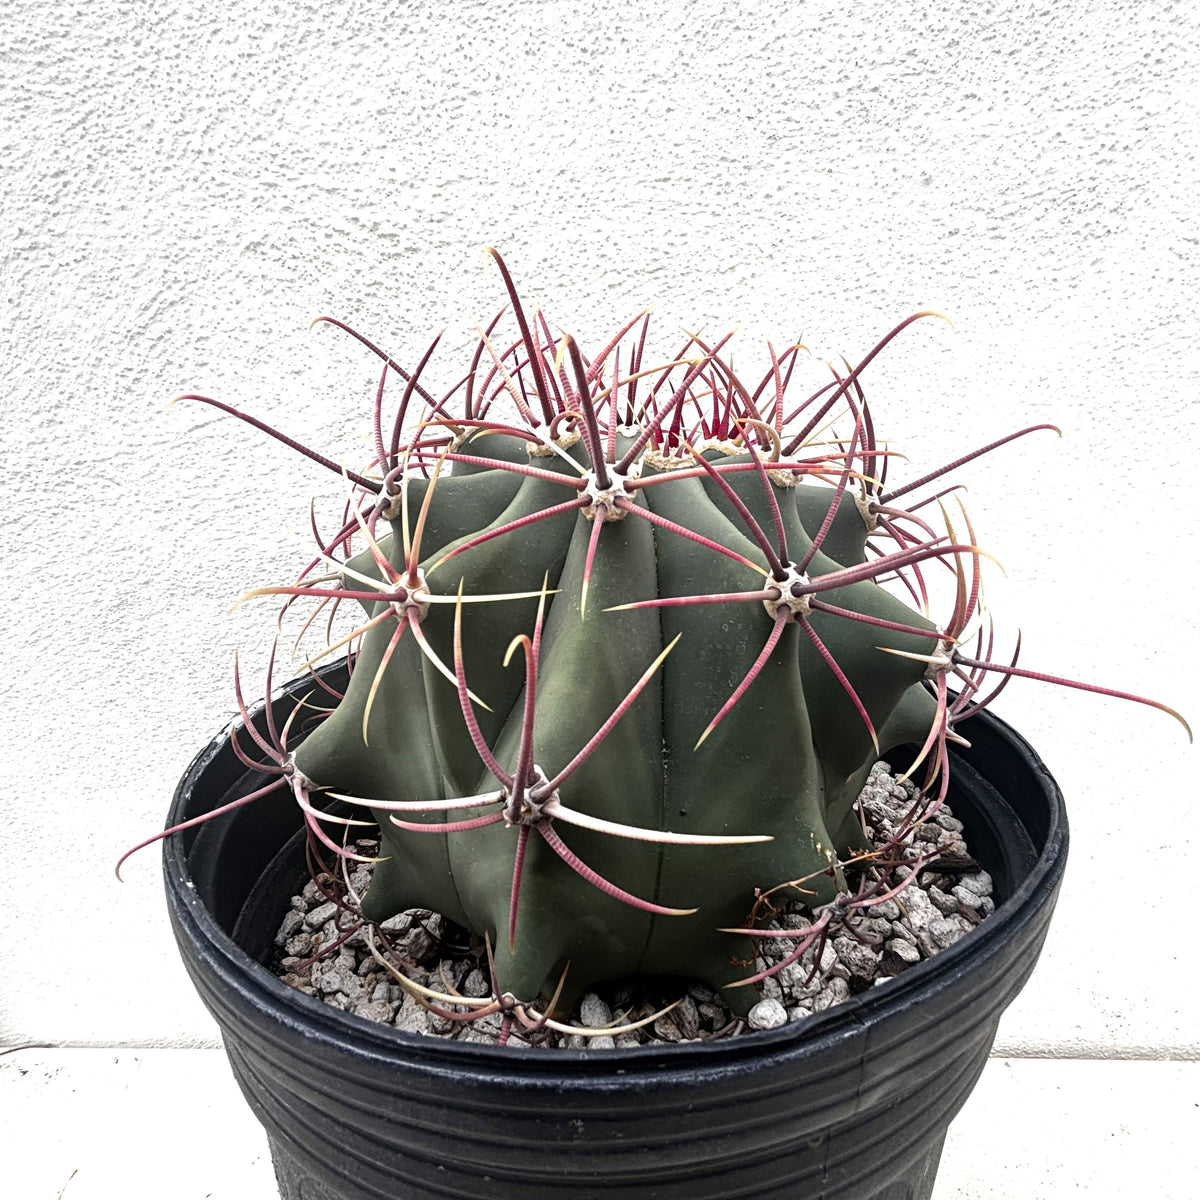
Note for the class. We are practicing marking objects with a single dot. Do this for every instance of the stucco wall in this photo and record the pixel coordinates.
(184, 190)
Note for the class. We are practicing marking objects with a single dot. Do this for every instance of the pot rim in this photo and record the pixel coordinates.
(845, 1021)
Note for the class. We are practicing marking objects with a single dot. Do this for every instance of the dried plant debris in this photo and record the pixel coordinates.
(427, 975)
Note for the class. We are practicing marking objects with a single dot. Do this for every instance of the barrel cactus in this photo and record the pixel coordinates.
(626, 653)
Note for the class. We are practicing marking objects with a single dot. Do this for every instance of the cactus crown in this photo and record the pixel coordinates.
(626, 654)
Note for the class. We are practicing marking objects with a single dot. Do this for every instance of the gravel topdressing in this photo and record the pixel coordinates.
(322, 950)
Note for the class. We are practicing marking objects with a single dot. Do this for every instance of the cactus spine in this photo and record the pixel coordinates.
(625, 659)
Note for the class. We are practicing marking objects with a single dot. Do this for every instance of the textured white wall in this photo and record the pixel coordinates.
(184, 190)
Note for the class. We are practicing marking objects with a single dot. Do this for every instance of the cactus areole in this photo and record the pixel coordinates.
(625, 654)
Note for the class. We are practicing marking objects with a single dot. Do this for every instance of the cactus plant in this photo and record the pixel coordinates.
(627, 653)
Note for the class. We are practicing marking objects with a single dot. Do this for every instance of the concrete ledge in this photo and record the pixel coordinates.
(1044, 1128)
(98, 1124)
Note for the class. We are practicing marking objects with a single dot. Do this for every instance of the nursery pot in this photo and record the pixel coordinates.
(851, 1103)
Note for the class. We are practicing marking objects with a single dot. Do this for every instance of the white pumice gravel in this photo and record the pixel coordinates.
(767, 1014)
(951, 895)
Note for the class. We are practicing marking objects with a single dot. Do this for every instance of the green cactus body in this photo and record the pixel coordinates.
(785, 762)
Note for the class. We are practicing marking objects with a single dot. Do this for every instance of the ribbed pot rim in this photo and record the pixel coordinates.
(620, 1067)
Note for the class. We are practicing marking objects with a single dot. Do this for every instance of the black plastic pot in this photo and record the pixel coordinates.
(852, 1103)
